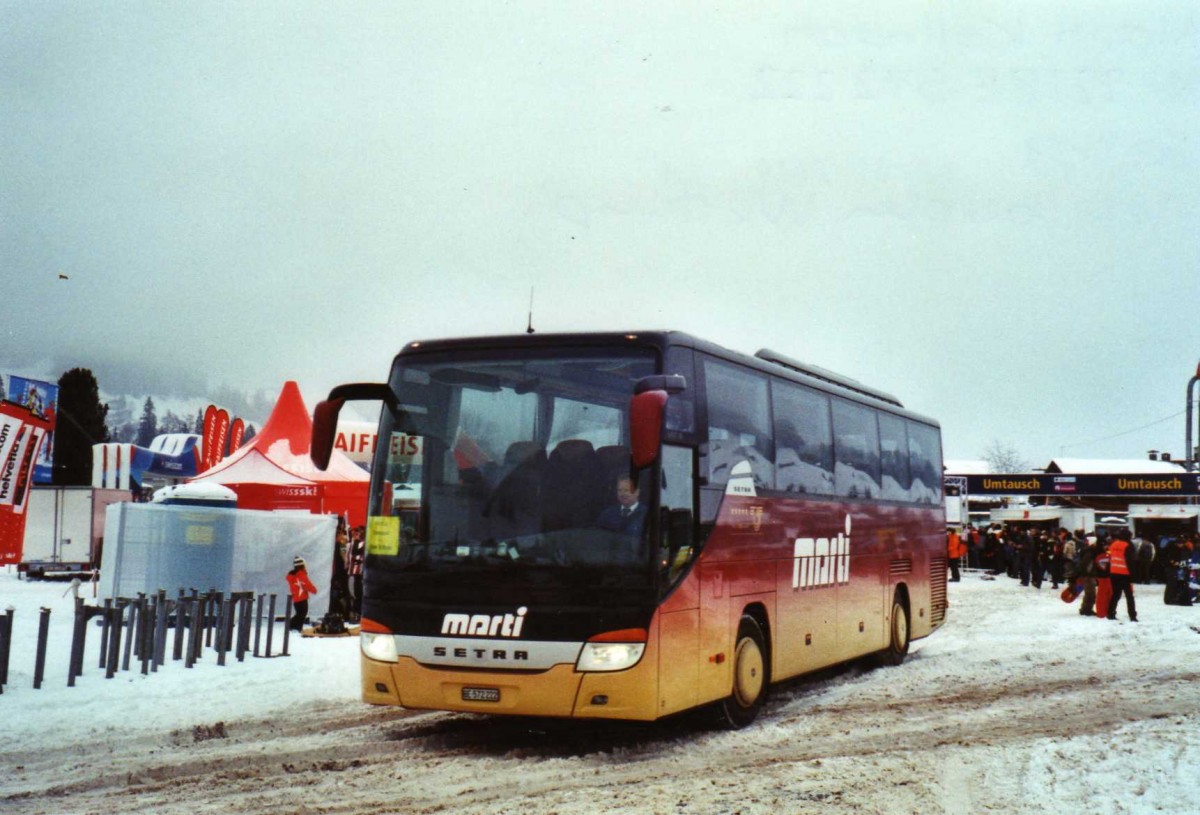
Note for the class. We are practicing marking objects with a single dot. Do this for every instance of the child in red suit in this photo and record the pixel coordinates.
(301, 587)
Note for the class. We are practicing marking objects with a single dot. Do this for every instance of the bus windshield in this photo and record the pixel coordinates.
(502, 477)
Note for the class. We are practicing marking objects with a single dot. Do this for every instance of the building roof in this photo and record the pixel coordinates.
(966, 466)
(1087, 466)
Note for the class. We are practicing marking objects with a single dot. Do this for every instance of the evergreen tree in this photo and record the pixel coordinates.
(148, 426)
(80, 424)
(119, 416)
(198, 428)
(173, 424)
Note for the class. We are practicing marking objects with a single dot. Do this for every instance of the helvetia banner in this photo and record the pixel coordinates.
(22, 433)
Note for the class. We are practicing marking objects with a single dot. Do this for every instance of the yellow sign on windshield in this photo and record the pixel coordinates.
(383, 535)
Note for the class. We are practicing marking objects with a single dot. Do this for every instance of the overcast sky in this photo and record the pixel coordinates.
(989, 209)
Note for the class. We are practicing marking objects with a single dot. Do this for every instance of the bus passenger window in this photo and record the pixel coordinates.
(925, 461)
(739, 427)
(856, 450)
(893, 452)
(803, 440)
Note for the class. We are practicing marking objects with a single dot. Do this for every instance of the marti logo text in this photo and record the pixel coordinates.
(821, 561)
(484, 625)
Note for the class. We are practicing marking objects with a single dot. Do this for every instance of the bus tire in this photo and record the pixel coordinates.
(899, 634)
(750, 677)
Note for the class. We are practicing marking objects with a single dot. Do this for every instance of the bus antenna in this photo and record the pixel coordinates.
(529, 327)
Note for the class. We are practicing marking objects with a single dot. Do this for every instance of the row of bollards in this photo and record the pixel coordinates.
(136, 631)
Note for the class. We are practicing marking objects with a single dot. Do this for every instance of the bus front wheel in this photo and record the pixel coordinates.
(750, 679)
(898, 634)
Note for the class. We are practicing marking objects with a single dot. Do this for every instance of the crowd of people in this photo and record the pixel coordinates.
(1102, 567)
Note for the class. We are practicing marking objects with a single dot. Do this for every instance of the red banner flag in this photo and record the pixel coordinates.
(21, 435)
(222, 435)
(208, 441)
(237, 431)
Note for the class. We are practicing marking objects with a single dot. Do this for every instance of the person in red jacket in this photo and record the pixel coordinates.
(954, 551)
(1120, 559)
(301, 587)
(1103, 579)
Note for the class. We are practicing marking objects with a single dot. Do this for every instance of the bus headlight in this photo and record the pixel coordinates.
(381, 647)
(609, 656)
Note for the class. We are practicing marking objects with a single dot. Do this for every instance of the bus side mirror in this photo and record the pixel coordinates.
(324, 428)
(671, 383)
(325, 416)
(646, 411)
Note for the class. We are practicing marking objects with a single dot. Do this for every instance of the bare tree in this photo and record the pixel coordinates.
(1004, 458)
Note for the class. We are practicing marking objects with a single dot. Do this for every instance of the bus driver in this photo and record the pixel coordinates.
(628, 515)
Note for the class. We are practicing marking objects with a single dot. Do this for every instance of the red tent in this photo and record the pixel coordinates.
(274, 471)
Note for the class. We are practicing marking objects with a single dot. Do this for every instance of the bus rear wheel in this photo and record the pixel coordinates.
(898, 635)
(750, 677)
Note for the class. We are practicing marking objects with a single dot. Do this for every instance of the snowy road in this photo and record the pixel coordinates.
(1016, 705)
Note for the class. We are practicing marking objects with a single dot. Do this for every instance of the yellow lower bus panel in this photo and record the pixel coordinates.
(560, 691)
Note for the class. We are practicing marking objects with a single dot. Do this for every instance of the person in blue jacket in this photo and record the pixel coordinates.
(628, 515)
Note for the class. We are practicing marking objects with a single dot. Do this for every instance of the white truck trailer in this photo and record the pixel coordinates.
(1069, 518)
(64, 530)
(1156, 520)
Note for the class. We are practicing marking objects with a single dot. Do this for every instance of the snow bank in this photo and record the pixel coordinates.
(174, 697)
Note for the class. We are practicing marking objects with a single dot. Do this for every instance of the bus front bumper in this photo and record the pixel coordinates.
(560, 691)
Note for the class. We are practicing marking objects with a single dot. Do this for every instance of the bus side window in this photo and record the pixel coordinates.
(925, 461)
(893, 451)
(803, 440)
(739, 425)
(856, 449)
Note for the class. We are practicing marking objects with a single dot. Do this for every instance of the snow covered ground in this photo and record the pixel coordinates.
(1017, 705)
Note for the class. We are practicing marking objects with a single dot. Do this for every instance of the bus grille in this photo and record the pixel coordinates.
(901, 565)
(937, 590)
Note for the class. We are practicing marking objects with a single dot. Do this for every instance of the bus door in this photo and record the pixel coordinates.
(679, 618)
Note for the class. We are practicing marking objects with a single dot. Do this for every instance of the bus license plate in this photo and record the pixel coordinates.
(481, 694)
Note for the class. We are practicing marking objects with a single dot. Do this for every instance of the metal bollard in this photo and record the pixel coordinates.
(247, 623)
(212, 602)
(6, 626)
(75, 668)
(287, 624)
(129, 629)
(270, 623)
(180, 616)
(243, 629)
(39, 668)
(105, 632)
(141, 627)
(146, 624)
(195, 634)
(222, 642)
(115, 614)
(6, 623)
(258, 623)
(160, 629)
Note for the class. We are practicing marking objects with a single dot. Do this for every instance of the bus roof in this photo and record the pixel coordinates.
(766, 360)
